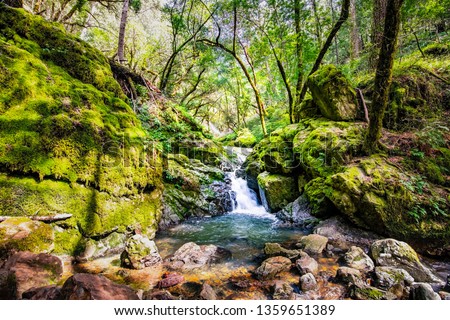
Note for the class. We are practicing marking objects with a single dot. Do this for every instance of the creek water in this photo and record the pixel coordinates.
(243, 231)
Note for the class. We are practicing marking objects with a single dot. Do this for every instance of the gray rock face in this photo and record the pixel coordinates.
(423, 291)
(112, 244)
(83, 286)
(394, 253)
(349, 275)
(275, 249)
(387, 277)
(297, 213)
(26, 270)
(356, 258)
(282, 291)
(313, 243)
(306, 264)
(308, 282)
(140, 252)
(271, 267)
(192, 256)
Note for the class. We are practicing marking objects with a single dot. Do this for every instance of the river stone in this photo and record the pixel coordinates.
(158, 295)
(140, 252)
(207, 292)
(394, 253)
(349, 275)
(26, 270)
(271, 267)
(23, 234)
(297, 213)
(387, 277)
(170, 280)
(275, 249)
(43, 293)
(423, 291)
(282, 290)
(356, 258)
(110, 245)
(359, 292)
(313, 243)
(306, 264)
(84, 286)
(276, 191)
(333, 93)
(308, 282)
(192, 256)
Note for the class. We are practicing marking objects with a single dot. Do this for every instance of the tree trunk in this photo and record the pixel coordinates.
(336, 47)
(318, 25)
(378, 18)
(299, 53)
(383, 77)
(14, 3)
(123, 25)
(354, 32)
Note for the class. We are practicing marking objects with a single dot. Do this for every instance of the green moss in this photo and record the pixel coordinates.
(245, 139)
(276, 190)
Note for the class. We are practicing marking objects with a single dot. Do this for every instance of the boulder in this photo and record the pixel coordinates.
(387, 277)
(356, 258)
(349, 276)
(313, 243)
(333, 93)
(84, 286)
(245, 139)
(271, 267)
(192, 256)
(282, 291)
(423, 291)
(207, 292)
(109, 245)
(275, 249)
(358, 292)
(139, 253)
(44, 293)
(306, 264)
(170, 280)
(25, 270)
(23, 234)
(398, 254)
(276, 191)
(297, 213)
(308, 282)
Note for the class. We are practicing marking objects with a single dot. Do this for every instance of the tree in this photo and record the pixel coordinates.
(136, 6)
(383, 77)
(355, 45)
(378, 18)
(14, 3)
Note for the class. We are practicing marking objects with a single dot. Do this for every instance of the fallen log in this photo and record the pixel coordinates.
(48, 219)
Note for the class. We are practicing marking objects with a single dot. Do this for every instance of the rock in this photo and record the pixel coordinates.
(245, 139)
(387, 277)
(308, 282)
(170, 280)
(343, 235)
(84, 286)
(423, 291)
(313, 243)
(26, 270)
(444, 295)
(282, 291)
(110, 245)
(276, 191)
(306, 264)
(43, 293)
(297, 213)
(207, 292)
(275, 249)
(369, 293)
(394, 253)
(192, 256)
(23, 234)
(271, 267)
(333, 93)
(356, 258)
(140, 252)
(158, 295)
(349, 275)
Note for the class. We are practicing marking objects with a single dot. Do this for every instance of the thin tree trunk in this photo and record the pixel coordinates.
(378, 18)
(354, 32)
(14, 3)
(123, 25)
(336, 47)
(318, 25)
(383, 77)
(299, 54)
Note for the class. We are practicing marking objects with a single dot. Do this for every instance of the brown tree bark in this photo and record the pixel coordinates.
(14, 3)
(122, 27)
(378, 18)
(383, 77)
(354, 32)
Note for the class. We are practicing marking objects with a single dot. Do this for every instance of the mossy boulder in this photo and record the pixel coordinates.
(23, 234)
(333, 93)
(245, 139)
(140, 252)
(276, 191)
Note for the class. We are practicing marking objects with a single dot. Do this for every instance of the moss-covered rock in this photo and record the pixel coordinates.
(23, 234)
(140, 252)
(245, 139)
(276, 191)
(334, 95)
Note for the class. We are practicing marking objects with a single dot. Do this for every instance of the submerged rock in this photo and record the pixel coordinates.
(207, 292)
(308, 282)
(356, 258)
(282, 291)
(170, 280)
(140, 252)
(83, 286)
(313, 243)
(276, 191)
(394, 253)
(271, 267)
(26, 270)
(192, 256)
